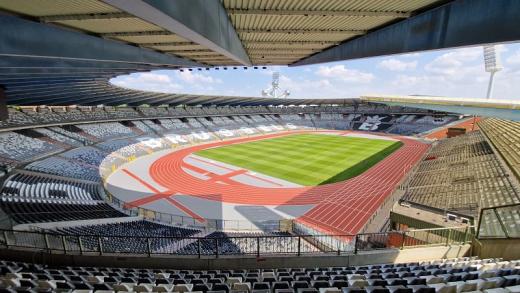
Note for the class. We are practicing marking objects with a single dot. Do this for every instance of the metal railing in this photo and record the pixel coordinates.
(204, 224)
(248, 245)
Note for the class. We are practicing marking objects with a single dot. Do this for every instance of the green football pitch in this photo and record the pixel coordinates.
(306, 159)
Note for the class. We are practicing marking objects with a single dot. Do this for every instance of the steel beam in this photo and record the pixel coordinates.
(300, 31)
(204, 22)
(321, 43)
(169, 44)
(35, 64)
(26, 38)
(456, 24)
(137, 34)
(68, 17)
(320, 13)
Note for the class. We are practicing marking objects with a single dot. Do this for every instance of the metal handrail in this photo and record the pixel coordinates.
(53, 241)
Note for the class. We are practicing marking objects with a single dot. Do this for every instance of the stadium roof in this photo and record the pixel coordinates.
(51, 51)
(505, 109)
(58, 90)
(260, 32)
(266, 32)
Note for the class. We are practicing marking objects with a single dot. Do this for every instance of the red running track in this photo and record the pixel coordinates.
(341, 207)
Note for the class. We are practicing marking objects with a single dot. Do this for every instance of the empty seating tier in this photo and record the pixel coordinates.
(505, 136)
(461, 174)
(442, 276)
(163, 237)
(30, 186)
(42, 210)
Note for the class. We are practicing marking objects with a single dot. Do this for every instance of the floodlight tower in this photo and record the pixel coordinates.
(274, 91)
(492, 65)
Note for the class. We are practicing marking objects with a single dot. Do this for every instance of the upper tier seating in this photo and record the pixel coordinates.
(123, 112)
(153, 126)
(70, 114)
(415, 124)
(168, 123)
(73, 135)
(461, 174)
(140, 229)
(177, 112)
(194, 123)
(16, 118)
(439, 276)
(86, 155)
(106, 130)
(23, 148)
(39, 187)
(153, 111)
(59, 137)
(142, 127)
(125, 147)
(43, 115)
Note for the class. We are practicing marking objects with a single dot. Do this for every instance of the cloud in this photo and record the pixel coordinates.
(196, 78)
(410, 55)
(514, 59)
(454, 62)
(393, 64)
(148, 81)
(340, 72)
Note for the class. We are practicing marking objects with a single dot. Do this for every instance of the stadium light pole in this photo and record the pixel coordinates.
(274, 91)
(492, 65)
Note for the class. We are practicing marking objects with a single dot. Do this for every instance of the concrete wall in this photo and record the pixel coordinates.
(177, 262)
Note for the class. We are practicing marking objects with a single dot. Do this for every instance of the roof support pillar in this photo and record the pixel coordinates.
(204, 22)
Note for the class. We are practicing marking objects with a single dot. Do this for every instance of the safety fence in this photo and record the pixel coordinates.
(253, 245)
(202, 223)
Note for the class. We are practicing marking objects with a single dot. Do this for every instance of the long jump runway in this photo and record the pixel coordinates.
(179, 182)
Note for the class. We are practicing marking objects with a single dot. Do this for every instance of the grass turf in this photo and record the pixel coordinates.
(306, 159)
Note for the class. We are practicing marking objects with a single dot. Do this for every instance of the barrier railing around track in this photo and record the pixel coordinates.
(248, 245)
(205, 224)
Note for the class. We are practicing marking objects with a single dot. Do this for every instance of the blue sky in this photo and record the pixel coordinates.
(454, 73)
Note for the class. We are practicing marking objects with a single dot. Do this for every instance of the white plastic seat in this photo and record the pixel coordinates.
(464, 286)
(181, 288)
(330, 290)
(143, 288)
(513, 289)
(242, 287)
(444, 288)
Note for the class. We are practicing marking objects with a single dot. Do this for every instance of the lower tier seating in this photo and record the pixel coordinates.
(39, 187)
(34, 211)
(138, 229)
(441, 276)
(245, 243)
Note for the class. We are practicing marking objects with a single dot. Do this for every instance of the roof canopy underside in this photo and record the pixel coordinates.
(505, 109)
(268, 32)
(62, 52)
